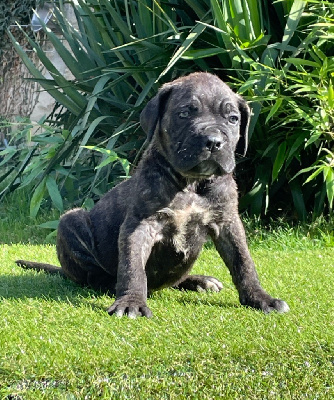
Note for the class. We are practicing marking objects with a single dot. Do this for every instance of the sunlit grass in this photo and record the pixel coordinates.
(57, 340)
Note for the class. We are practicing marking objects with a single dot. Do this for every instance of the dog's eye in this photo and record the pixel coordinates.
(184, 114)
(233, 119)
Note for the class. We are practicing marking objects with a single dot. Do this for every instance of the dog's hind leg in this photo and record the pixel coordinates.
(199, 283)
(77, 252)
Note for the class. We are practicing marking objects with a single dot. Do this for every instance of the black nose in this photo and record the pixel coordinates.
(214, 143)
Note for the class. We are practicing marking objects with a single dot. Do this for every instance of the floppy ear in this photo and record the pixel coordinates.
(153, 111)
(244, 124)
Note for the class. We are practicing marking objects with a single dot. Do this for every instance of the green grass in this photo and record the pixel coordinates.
(58, 342)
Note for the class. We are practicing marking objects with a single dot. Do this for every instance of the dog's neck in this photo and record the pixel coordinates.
(174, 179)
(166, 169)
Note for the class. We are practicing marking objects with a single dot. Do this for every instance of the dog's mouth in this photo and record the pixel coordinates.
(205, 169)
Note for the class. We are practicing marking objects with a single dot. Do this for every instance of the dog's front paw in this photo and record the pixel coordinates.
(130, 307)
(263, 301)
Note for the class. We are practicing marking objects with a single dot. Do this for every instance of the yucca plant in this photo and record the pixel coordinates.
(115, 58)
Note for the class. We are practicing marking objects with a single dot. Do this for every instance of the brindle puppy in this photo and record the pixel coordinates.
(146, 233)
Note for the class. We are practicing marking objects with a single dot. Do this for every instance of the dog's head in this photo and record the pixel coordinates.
(198, 123)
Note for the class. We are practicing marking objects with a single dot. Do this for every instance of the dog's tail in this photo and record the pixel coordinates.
(50, 269)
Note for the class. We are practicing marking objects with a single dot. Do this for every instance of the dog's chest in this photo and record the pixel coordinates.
(186, 221)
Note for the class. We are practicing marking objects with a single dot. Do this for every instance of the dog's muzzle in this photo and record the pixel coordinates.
(207, 151)
(217, 156)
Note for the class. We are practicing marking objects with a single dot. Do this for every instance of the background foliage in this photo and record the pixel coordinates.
(279, 55)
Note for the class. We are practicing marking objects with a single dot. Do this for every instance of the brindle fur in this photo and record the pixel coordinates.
(146, 233)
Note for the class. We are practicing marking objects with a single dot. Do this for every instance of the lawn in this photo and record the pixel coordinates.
(58, 342)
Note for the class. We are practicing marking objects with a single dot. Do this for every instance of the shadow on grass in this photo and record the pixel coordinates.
(46, 287)
(55, 288)
(195, 299)
(207, 302)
